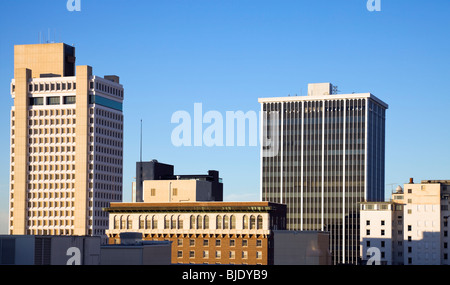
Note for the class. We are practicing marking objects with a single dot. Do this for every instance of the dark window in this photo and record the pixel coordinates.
(53, 100)
(69, 99)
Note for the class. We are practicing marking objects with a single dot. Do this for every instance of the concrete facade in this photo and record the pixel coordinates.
(415, 225)
(66, 144)
(49, 250)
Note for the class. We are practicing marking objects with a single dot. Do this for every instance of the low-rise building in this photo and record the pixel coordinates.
(204, 232)
(49, 250)
(134, 251)
(301, 248)
(411, 229)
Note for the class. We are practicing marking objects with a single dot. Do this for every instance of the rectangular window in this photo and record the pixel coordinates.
(36, 101)
(69, 100)
(53, 100)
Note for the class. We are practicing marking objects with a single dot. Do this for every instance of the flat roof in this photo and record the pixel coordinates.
(323, 97)
(195, 207)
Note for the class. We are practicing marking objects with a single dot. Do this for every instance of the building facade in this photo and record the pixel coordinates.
(164, 184)
(203, 232)
(413, 225)
(66, 143)
(49, 250)
(321, 155)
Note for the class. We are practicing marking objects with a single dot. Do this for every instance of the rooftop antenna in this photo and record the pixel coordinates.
(335, 90)
(141, 144)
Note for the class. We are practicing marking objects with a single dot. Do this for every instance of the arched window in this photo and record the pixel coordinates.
(173, 222)
(141, 222)
(129, 222)
(245, 222)
(260, 222)
(226, 222)
(206, 222)
(166, 222)
(122, 222)
(148, 222)
(252, 222)
(192, 222)
(199, 222)
(116, 223)
(154, 222)
(233, 222)
(180, 222)
(218, 222)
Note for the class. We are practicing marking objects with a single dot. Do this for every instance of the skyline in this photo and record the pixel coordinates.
(227, 55)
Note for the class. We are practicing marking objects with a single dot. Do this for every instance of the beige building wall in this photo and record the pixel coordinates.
(19, 157)
(66, 144)
(422, 224)
(41, 58)
(83, 74)
(161, 191)
(419, 216)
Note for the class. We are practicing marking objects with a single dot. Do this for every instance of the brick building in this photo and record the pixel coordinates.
(204, 232)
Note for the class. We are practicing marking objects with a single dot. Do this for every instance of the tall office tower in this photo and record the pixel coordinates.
(321, 155)
(66, 143)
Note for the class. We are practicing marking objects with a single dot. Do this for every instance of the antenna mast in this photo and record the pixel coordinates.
(141, 143)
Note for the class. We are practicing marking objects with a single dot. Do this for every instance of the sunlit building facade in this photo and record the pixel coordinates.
(321, 155)
(66, 143)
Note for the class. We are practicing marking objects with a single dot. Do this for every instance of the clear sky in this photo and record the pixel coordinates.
(226, 54)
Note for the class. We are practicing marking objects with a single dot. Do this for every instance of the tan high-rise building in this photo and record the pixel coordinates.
(66, 143)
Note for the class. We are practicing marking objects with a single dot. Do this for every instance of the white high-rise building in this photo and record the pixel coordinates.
(66, 143)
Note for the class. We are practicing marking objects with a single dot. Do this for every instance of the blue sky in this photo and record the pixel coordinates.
(226, 54)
